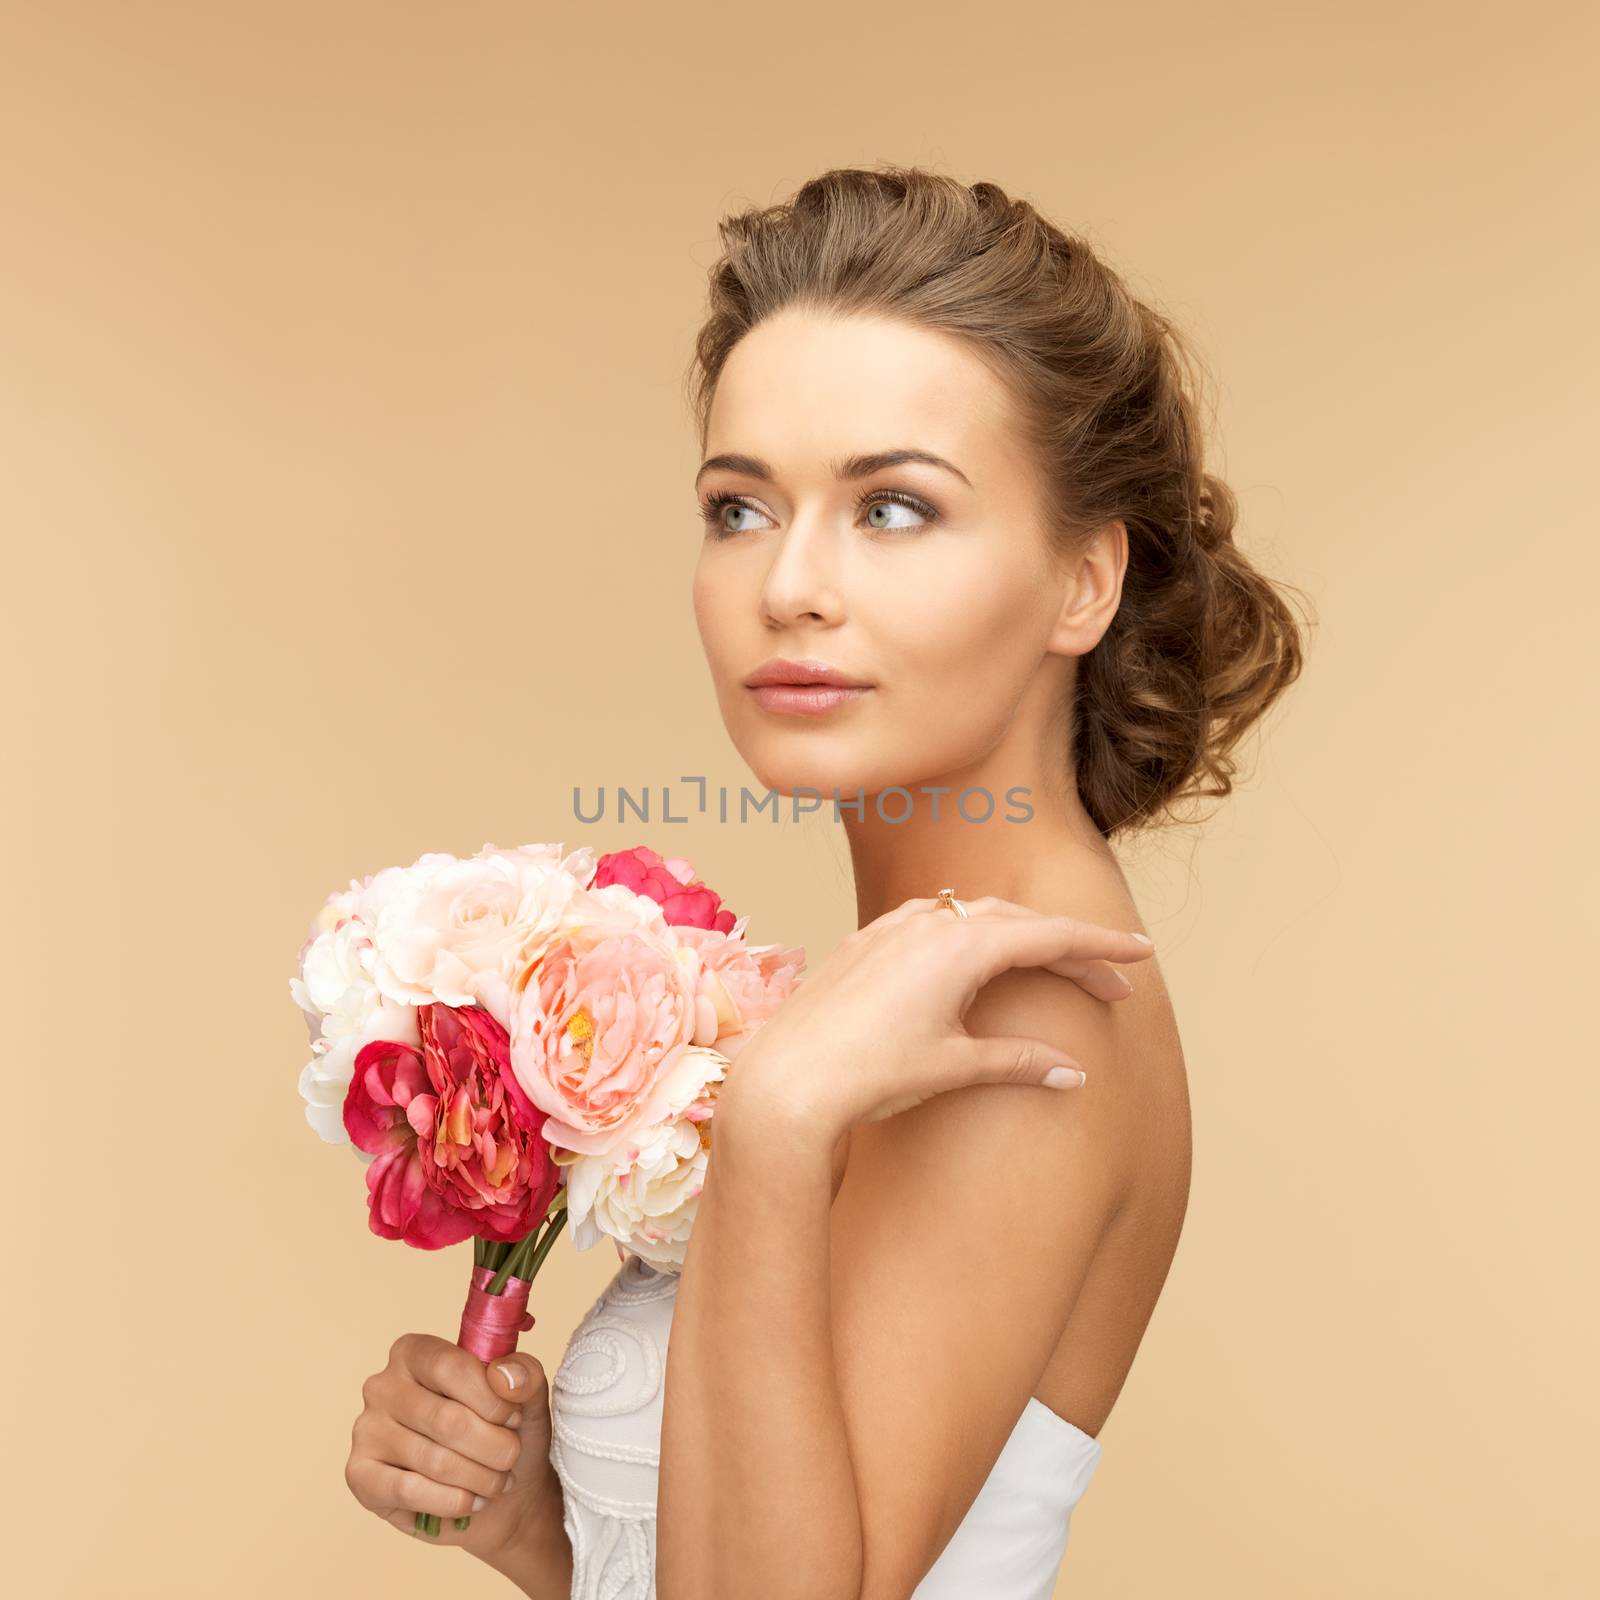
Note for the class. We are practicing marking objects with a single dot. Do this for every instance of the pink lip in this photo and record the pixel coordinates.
(779, 670)
(808, 699)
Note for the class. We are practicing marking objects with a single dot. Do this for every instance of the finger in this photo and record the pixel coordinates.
(1098, 941)
(518, 1378)
(399, 1445)
(455, 1428)
(1098, 978)
(531, 1394)
(411, 1492)
(1061, 944)
(907, 909)
(449, 1370)
(386, 1488)
(1020, 1059)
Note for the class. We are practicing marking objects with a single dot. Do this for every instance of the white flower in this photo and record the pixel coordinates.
(646, 1194)
(335, 978)
(452, 931)
(342, 1006)
(580, 863)
(325, 1078)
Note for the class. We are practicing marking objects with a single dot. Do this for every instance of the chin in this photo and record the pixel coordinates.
(796, 768)
(851, 768)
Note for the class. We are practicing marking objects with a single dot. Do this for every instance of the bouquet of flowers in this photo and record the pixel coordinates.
(525, 1039)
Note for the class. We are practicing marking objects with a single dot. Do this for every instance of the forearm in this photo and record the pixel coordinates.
(757, 1495)
(538, 1560)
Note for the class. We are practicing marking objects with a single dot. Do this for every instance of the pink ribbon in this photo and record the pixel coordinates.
(490, 1323)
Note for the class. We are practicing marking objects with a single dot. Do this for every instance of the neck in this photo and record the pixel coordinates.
(1037, 835)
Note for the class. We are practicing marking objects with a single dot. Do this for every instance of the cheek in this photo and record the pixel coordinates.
(968, 636)
(710, 600)
(725, 611)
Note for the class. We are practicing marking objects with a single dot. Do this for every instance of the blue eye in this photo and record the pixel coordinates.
(712, 508)
(882, 499)
(715, 504)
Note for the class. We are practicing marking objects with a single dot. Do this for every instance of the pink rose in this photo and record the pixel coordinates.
(743, 983)
(459, 1149)
(599, 1034)
(684, 901)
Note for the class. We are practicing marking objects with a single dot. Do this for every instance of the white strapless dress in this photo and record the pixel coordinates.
(605, 1400)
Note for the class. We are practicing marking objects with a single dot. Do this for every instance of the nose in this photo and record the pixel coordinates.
(802, 584)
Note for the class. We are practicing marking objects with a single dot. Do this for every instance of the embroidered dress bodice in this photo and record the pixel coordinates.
(605, 1401)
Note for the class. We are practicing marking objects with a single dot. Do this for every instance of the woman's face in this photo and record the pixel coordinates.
(930, 586)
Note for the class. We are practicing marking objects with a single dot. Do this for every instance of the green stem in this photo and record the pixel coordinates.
(542, 1249)
(498, 1282)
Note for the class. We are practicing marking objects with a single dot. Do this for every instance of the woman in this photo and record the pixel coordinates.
(960, 552)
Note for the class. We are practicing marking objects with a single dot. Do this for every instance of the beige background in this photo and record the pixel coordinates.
(347, 504)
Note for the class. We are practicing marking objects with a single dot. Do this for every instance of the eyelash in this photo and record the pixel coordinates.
(715, 503)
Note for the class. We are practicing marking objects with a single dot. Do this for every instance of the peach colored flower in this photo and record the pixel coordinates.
(645, 1194)
(742, 983)
(599, 1026)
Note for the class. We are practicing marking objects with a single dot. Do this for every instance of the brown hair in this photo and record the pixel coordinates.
(1107, 391)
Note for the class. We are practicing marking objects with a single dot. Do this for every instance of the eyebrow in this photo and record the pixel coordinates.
(850, 467)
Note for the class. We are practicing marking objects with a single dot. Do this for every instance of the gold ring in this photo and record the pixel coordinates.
(947, 897)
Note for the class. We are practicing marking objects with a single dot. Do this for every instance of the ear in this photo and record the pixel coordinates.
(1092, 590)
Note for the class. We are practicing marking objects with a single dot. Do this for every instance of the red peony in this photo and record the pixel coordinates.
(684, 901)
(457, 1143)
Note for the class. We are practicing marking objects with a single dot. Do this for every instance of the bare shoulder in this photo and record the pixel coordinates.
(1134, 1109)
(1103, 1115)
(1131, 1120)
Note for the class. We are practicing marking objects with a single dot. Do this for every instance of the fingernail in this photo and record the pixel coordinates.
(1125, 984)
(512, 1373)
(1145, 939)
(1065, 1078)
(514, 1420)
(478, 1502)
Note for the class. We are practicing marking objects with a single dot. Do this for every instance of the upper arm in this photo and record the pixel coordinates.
(960, 1237)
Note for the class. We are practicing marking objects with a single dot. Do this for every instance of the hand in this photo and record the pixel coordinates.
(438, 1429)
(884, 1012)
